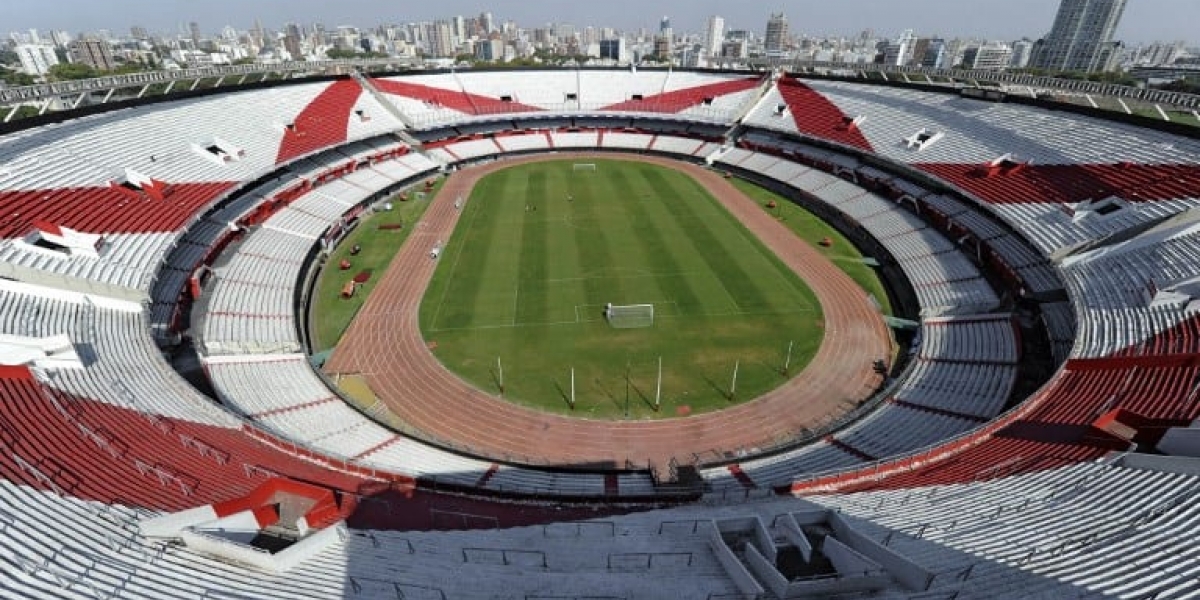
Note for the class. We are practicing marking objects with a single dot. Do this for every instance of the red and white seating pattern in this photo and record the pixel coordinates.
(445, 98)
(56, 174)
(126, 431)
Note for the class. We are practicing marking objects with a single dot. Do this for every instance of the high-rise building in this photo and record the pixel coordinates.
(714, 34)
(60, 38)
(988, 57)
(92, 52)
(614, 49)
(1159, 54)
(776, 37)
(492, 49)
(662, 49)
(935, 54)
(291, 41)
(36, 59)
(1082, 36)
(734, 48)
(900, 52)
(459, 24)
(194, 33)
(1022, 52)
(441, 43)
(563, 31)
(664, 28)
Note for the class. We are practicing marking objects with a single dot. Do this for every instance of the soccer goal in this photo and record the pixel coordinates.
(583, 167)
(629, 316)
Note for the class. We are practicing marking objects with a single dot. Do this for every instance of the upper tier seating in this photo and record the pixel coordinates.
(441, 98)
(192, 152)
(1024, 507)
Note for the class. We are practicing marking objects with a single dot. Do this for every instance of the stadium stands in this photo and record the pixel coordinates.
(1086, 223)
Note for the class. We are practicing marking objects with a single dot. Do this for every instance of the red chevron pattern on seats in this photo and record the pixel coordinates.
(101, 462)
(465, 102)
(90, 450)
(815, 115)
(104, 209)
(1059, 430)
(1182, 338)
(324, 122)
(1073, 183)
(679, 100)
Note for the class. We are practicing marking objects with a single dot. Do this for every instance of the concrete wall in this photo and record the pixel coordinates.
(1181, 441)
(733, 567)
(908, 573)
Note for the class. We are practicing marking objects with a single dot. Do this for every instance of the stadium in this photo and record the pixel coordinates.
(1019, 425)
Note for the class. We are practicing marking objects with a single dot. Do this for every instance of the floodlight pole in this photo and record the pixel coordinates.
(572, 388)
(733, 384)
(500, 374)
(658, 388)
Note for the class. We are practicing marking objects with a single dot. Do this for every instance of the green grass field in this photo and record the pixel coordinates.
(334, 313)
(812, 229)
(540, 249)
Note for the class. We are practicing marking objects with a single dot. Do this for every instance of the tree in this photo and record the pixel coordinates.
(16, 78)
(68, 71)
(338, 53)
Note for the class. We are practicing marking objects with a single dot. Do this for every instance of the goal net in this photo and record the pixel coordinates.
(629, 316)
(583, 167)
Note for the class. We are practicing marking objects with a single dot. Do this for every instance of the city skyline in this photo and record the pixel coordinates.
(1165, 20)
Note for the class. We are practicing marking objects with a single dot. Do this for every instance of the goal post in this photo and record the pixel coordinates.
(629, 316)
(583, 167)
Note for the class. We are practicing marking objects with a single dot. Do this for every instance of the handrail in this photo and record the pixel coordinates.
(41, 91)
(1016, 80)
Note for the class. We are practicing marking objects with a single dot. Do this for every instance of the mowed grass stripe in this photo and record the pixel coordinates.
(786, 292)
(712, 297)
(485, 297)
(533, 275)
(652, 237)
(626, 232)
(715, 249)
(622, 239)
(593, 251)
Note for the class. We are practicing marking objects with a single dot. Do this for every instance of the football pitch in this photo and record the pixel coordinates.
(520, 289)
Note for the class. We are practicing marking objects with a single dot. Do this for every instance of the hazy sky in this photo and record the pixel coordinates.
(1145, 20)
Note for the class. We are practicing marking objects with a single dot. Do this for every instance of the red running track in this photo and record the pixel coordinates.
(384, 344)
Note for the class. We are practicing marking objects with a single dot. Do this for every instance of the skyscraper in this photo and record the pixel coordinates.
(714, 34)
(36, 59)
(776, 38)
(291, 41)
(441, 40)
(93, 52)
(194, 33)
(1082, 36)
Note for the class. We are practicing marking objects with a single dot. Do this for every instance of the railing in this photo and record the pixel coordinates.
(608, 527)
(441, 116)
(37, 474)
(691, 526)
(1018, 80)
(42, 91)
(506, 556)
(63, 579)
(644, 561)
